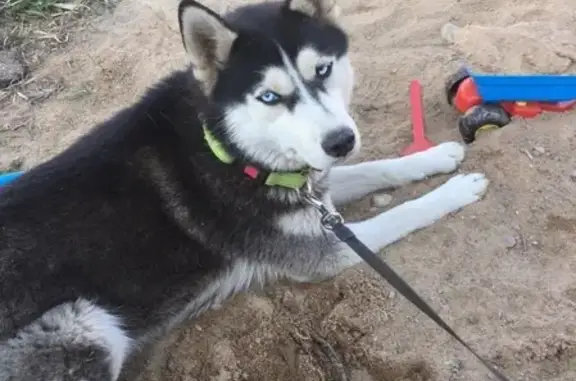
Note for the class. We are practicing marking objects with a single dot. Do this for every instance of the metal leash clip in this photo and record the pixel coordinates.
(328, 219)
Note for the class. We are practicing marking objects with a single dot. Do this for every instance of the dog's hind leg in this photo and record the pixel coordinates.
(77, 341)
(396, 223)
(352, 182)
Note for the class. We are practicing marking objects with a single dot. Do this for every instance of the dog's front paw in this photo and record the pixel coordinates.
(459, 191)
(443, 158)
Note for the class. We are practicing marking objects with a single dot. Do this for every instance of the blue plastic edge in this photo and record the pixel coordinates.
(6, 178)
(517, 87)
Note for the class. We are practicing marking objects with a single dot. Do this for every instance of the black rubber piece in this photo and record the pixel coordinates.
(481, 116)
(452, 83)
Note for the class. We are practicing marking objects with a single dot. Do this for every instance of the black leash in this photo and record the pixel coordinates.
(333, 221)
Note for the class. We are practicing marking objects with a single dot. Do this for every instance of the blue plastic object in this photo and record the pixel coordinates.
(528, 88)
(5, 178)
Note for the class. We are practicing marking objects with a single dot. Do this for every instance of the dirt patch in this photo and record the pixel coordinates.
(501, 271)
(33, 30)
(560, 223)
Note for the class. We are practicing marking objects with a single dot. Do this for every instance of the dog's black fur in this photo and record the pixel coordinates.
(93, 223)
(89, 223)
(139, 218)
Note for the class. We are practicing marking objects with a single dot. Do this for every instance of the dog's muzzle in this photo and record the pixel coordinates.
(339, 143)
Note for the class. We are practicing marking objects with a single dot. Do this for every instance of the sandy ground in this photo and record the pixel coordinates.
(501, 271)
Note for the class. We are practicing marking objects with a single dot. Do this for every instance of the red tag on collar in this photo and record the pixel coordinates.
(251, 172)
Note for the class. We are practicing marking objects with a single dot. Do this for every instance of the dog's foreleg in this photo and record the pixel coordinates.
(352, 182)
(396, 223)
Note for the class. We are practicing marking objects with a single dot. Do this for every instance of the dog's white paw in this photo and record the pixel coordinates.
(459, 191)
(443, 158)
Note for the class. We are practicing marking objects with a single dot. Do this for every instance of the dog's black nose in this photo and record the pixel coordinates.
(339, 143)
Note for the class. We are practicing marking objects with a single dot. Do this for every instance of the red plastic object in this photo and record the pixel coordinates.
(533, 109)
(419, 140)
(467, 96)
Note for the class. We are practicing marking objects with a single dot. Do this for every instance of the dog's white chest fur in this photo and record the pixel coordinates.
(304, 222)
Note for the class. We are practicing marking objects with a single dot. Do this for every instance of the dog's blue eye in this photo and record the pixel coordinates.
(324, 70)
(269, 98)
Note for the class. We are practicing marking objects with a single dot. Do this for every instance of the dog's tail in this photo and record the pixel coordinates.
(76, 341)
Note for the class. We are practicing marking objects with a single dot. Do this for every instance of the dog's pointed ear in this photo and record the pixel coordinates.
(327, 10)
(207, 39)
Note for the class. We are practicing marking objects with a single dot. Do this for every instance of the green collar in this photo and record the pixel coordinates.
(291, 180)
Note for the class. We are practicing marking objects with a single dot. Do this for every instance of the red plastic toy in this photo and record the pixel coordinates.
(419, 140)
(467, 97)
(495, 109)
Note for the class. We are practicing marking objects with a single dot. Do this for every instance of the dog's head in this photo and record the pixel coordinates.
(280, 78)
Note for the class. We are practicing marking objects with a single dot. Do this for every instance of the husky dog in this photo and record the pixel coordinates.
(196, 192)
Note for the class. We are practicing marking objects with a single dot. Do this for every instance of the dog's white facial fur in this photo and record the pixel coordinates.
(281, 137)
(290, 138)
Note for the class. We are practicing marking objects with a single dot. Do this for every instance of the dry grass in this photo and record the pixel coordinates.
(24, 9)
(30, 22)
(27, 9)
